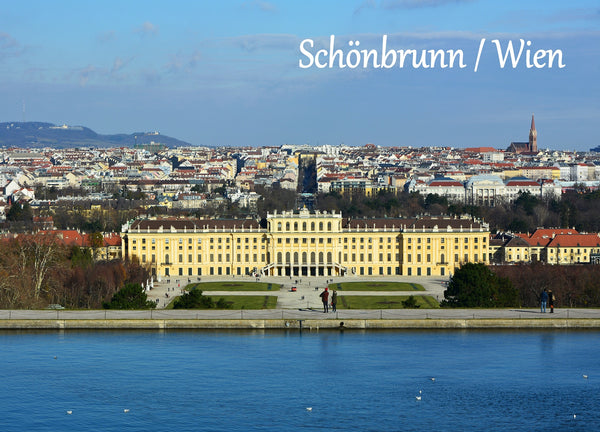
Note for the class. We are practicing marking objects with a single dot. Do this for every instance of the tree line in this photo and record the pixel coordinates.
(478, 285)
(574, 209)
(38, 269)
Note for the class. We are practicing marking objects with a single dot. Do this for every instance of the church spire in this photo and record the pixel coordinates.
(533, 148)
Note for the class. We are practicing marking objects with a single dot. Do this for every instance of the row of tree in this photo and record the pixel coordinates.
(38, 269)
(578, 209)
(477, 285)
(575, 209)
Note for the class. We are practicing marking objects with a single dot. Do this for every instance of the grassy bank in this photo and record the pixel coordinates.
(385, 302)
(233, 286)
(247, 302)
(376, 286)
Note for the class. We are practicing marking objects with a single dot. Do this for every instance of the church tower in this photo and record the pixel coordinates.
(533, 148)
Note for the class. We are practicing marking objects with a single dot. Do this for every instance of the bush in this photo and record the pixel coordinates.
(131, 296)
(410, 303)
(475, 285)
(195, 300)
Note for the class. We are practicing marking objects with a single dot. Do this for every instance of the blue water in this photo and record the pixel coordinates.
(264, 381)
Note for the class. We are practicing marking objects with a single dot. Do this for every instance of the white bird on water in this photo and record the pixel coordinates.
(585, 376)
(308, 408)
(69, 412)
(432, 379)
(126, 410)
(418, 397)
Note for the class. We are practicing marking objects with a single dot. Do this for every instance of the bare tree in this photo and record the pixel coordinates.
(37, 253)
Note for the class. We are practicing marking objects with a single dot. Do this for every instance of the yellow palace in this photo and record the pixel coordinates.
(305, 244)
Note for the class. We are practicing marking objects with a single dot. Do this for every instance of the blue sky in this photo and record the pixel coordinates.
(226, 72)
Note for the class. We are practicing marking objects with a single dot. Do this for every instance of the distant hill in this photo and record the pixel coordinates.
(38, 134)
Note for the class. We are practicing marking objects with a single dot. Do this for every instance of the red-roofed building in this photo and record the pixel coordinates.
(552, 246)
(574, 249)
(550, 233)
(110, 249)
(480, 150)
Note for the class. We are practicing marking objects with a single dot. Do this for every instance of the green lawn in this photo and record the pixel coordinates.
(376, 286)
(384, 302)
(233, 286)
(242, 302)
(248, 302)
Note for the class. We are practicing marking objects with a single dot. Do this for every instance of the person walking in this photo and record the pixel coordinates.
(325, 299)
(551, 301)
(544, 300)
(333, 300)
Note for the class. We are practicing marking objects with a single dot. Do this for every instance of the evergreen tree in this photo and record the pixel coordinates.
(131, 296)
(475, 285)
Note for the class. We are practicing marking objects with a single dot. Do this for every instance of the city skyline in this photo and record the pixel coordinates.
(227, 73)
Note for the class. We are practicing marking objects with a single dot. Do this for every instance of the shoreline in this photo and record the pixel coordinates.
(299, 324)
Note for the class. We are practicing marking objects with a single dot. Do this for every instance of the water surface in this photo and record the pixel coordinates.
(353, 380)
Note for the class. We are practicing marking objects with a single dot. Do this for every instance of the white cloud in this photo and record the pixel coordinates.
(265, 41)
(9, 46)
(366, 4)
(183, 62)
(418, 4)
(262, 5)
(147, 29)
(107, 36)
(86, 73)
(119, 64)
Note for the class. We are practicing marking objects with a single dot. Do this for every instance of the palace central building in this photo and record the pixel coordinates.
(305, 244)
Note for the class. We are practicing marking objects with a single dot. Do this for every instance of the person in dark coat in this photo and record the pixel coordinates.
(325, 299)
(544, 300)
(333, 300)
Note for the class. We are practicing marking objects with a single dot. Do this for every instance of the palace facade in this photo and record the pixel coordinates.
(305, 244)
